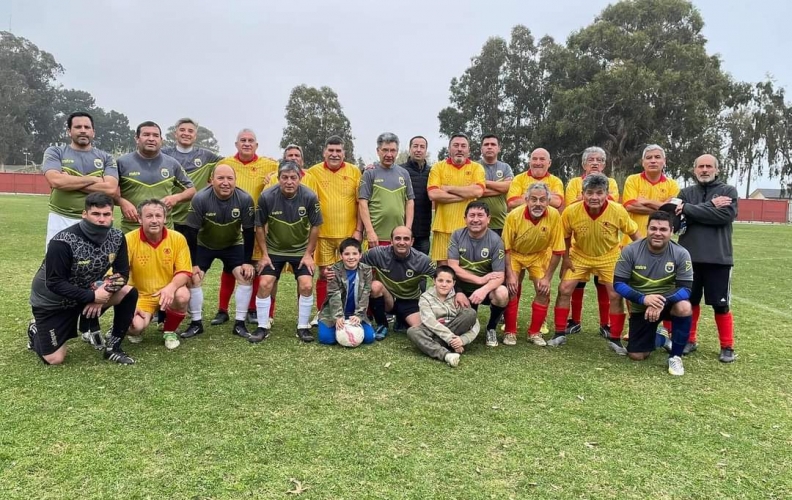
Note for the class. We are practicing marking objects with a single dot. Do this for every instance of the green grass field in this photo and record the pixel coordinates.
(221, 418)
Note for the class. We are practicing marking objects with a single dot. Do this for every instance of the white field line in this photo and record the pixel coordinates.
(758, 305)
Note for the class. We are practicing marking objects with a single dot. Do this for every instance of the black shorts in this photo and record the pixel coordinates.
(643, 332)
(54, 328)
(280, 261)
(403, 308)
(231, 257)
(713, 282)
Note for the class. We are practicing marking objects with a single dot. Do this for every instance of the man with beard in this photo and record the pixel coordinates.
(538, 171)
(418, 169)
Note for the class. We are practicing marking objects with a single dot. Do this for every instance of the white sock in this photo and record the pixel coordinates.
(196, 304)
(242, 296)
(262, 310)
(304, 305)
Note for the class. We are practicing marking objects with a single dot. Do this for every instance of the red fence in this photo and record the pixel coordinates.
(763, 210)
(23, 183)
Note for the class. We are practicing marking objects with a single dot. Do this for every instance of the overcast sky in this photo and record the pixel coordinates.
(232, 64)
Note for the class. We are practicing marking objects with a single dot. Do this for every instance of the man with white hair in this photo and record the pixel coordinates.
(646, 192)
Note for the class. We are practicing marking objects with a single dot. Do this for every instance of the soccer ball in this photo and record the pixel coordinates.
(350, 335)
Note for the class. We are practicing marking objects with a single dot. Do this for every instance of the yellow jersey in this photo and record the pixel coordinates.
(152, 267)
(451, 216)
(523, 181)
(524, 236)
(338, 197)
(596, 235)
(639, 186)
(575, 188)
(252, 176)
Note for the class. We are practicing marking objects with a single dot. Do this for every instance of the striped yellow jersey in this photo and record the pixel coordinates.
(524, 236)
(575, 188)
(338, 197)
(639, 186)
(251, 177)
(522, 181)
(152, 267)
(451, 216)
(596, 235)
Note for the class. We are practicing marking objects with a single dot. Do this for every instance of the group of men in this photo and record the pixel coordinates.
(184, 207)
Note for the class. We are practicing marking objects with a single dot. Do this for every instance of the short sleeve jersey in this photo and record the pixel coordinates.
(478, 256)
(198, 164)
(65, 159)
(151, 267)
(524, 236)
(497, 172)
(220, 222)
(401, 276)
(524, 180)
(288, 220)
(575, 188)
(596, 235)
(338, 195)
(649, 272)
(451, 216)
(387, 191)
(639, 186)
(251, 176)
(142, 178)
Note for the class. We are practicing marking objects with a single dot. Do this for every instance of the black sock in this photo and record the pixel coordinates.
(378, 309)
(123, 312)
(495, 315)
(89, 324)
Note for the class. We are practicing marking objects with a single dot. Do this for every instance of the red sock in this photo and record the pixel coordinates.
(694, 323)
(172, 320)
(321, 293)
(561, 315)
(252, 303)
(603, 301)
(538, 315)
(227, 284)
(667, 326)
(272, 307)
(510, 315)
(725, 324)
(577, 304)
(617, 325)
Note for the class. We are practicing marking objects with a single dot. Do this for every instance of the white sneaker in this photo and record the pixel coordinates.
(510, 339)
(557, 341)
(618, 349)
(94, 338)
(315, 321)
(171, 340)
(135, 339)
(452, 358)
(492, 338)
(537, 340)
(675, 366)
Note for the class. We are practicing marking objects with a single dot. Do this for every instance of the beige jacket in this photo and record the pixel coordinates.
(435, 313)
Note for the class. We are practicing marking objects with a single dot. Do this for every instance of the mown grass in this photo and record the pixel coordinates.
(220, 418)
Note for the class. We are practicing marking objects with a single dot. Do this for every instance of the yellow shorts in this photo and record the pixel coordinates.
(326, 253)
(585, 266)
(440, 244)
(147, 303)
(535, 263)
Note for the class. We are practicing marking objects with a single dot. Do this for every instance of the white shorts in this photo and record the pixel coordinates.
(57, 223)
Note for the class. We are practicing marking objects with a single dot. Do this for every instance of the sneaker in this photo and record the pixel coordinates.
(117, 356)
(675, 366)
(557, 340)
(572, 327)
(94, 338)
(509, 339)
(543, 329)
(452, 359)
(667, 344)
(315, 320)
(195, 328)
(617, 348)
(604, 331)
(690, 347)
(240, 329)
(259, 334)
(31, 333)
(380, 332)
(537, 340)
(252, 317)
(304, 334)
(492, 338)
(727, 355)
(135, 339)
(171, 340)
(220, 318)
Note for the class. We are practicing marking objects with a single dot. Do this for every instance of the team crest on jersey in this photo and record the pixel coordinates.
(485, 252)
(401, 181)
(669, 267)
(301, 211)
(167, 251)
(235, 213)
(499, 174)
(197, 162)
(410, 273)
(98, 163)
(164, 173)
(111, 257)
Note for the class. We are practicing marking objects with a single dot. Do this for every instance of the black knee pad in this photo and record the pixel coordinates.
(720, 309)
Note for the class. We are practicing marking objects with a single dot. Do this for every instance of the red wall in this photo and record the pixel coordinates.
(762, 210)
(23, 183)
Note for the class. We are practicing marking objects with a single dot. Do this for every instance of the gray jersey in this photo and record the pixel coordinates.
(65, 159)
(288, 220)
(497, 172)
(478, 256)
(198, 164)
(220, 222)
(648, 272)
(387, 191)
(401, 276)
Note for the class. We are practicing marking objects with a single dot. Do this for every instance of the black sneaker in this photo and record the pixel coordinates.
(220, 318)
(258, 335)
(604, 331)
(727, 355)
(240, 329)
(195, 328)
(690, 347)
(252, 317)
(118, 356)
(572, 327)
(304, 334)
(31, 333)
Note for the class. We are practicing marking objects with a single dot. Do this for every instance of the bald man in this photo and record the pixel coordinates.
(538, 171)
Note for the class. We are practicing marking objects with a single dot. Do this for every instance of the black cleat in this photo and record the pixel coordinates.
(195, 328)
(604, 331)
(727, 355)
(241, 330)
(258, 335)
(304, 334)
(690, 347)
(220, 318)
(118, 356)
(252, 317)
(572, 327)
(31, 333)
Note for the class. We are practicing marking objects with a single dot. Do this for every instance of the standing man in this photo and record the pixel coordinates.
(533, 237)
(418, 169)
(72, 282)
(453, 183)
(591, 233)
(477, 257)
(160, 269)
(499, 176)
(538, 171)
(294, 153)
(287, 228)
(147, 173)
(709, 208)
(336, 184)
(75, 171)
(253, 174)
(593, 163)
(220, 225)
(385, 197)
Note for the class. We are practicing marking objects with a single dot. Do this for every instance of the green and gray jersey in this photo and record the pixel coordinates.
(94, 163)
(648, 272)
(497, 172)
(198, 163)
(220, 222)
(142, 178)
(387, 191)
(400, 276)
(478, 256)
(288, 220)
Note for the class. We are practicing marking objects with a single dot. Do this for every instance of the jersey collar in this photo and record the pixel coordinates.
(255, 157)
(595, 216)
(325, 165)
(450, 162)
(527, 215)
(658, 181)
(147, 242)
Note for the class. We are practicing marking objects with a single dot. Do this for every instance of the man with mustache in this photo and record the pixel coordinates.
(538, 171)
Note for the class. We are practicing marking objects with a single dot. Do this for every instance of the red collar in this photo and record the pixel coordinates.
(545, 176)
(527, 215)
(255, 157)
(450, 162)
(595, 216)
(325, 165)
(153, 245)
(658, 181)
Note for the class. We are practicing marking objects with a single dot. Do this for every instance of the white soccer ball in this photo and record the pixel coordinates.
(350, 335)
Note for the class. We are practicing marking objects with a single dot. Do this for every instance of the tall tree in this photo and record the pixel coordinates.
(205, 138)
(113, 133)
(313, 115)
